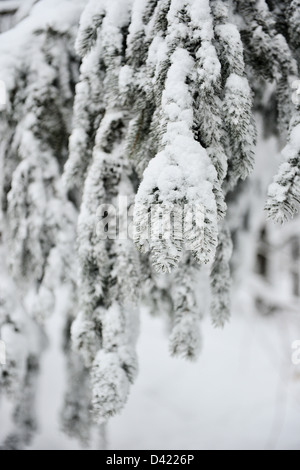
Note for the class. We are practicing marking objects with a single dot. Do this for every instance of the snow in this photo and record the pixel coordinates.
(237, 83)
(183, 164)
(210, 69)
(137, 24)
(276, 190)
(230, 32)
(115, 13)
(181, 171)
(18, 42)
(125, 78)
(233, 398)
(94, 8)
(283, 199)
(110, 385)
(158, 53)
(295, 138)
(243, 393)
(9, 6)
(201, 14)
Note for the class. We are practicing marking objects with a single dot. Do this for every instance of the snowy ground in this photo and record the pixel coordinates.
(244, 393)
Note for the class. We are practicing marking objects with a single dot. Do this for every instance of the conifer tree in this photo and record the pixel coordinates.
(161, 112)
(178, 86)
(37, 221)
